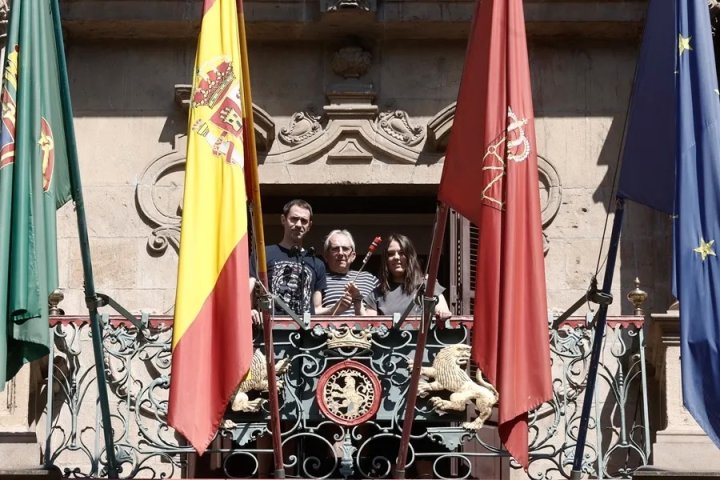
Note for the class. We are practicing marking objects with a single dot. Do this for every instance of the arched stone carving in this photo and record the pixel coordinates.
(165, 219)
(438, 128)
(550, 190)
(390, 137)
(550, 195)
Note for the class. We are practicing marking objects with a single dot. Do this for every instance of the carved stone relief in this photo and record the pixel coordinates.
(352, 125)
(4, 13)
(159, 209)
(336, 5)
(351, 130)
(550, 195)
(397, 125)
(550, 190)
(351, 62)
(302, 127)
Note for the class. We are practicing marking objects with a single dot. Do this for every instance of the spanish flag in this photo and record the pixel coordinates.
(212, 338)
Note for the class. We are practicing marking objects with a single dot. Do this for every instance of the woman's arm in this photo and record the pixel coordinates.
(364, 310)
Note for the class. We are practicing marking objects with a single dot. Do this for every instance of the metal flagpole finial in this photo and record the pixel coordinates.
(637, 297)
(54, 299)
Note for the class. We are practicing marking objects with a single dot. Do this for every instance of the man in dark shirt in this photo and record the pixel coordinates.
(294, 274)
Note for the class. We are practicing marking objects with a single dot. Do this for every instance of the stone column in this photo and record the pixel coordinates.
(680, 444)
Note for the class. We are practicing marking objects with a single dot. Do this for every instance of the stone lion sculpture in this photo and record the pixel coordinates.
(448, 373)
(257, 380)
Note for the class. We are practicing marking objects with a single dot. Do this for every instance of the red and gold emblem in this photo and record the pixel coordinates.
(349, 393)
(512, 145)
(216, 103)
(47, 147)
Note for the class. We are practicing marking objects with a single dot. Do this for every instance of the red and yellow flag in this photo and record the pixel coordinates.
(490, 176)
(212, 338)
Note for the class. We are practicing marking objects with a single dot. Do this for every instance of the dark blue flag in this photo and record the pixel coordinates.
(697, 221)
(672, 162)
(649, 146)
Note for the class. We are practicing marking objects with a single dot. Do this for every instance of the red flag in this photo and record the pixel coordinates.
(490, 176)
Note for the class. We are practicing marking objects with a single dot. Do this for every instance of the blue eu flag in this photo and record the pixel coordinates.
(671, 161)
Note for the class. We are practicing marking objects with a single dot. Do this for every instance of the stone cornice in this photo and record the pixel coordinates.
(313, 20)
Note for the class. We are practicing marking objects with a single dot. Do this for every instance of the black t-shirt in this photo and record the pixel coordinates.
(294, 276)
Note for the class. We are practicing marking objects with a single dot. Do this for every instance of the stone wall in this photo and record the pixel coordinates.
(127, 116)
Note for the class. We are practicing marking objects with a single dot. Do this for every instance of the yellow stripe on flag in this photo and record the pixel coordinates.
(214, 207)
(212, 334)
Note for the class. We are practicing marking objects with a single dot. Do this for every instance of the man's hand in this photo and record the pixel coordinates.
(256, 317)
(343, 304)
(352, 290)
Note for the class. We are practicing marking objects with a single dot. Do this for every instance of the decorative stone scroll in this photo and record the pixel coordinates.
(397, 125)
(4, 13)
(153, 206)
(303, 127)
(352, 131)
(337, 5)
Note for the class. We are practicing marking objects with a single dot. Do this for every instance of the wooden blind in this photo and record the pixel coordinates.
(463, 254)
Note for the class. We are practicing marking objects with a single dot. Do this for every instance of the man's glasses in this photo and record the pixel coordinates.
(340, 249)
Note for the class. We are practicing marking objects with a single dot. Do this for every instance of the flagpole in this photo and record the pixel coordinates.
(91, 298)
(600, 322)
(259, 236)
(433, 265)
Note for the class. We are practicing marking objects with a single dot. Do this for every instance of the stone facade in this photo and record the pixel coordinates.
(353, 106)
(354, 100)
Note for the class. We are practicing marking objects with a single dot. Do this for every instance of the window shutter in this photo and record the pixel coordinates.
(463, 254)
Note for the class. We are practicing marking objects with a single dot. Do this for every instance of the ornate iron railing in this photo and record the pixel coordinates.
(333, 433)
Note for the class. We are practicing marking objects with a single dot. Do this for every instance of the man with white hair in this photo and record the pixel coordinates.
(345, 288)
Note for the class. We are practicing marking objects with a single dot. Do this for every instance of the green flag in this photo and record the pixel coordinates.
(34, 182)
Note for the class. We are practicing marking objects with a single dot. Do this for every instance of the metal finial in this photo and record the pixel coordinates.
(637, 297)
(53, 300)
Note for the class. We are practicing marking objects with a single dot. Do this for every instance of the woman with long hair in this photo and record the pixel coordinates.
(400, 278)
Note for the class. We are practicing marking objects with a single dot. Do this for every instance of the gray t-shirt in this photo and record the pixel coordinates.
(395, 300)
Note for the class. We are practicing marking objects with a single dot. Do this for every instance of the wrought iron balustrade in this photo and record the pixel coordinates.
(341, 431)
